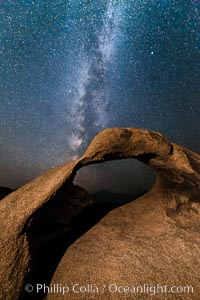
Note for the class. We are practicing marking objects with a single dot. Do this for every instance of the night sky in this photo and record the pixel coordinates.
(72, 68)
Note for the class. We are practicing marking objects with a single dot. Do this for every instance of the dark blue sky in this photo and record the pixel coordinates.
(71, 68)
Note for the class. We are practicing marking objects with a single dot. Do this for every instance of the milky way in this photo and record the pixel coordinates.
(71, 68)
(91, 96)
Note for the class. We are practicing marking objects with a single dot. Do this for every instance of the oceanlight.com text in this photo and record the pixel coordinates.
(112, 288)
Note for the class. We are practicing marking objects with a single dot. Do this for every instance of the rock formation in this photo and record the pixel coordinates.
(153, 240)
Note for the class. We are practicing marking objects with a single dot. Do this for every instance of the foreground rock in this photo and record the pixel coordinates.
(29, 217)
(154, 240)
(135, 245)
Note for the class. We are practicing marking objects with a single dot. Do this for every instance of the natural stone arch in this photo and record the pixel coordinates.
(178, 181)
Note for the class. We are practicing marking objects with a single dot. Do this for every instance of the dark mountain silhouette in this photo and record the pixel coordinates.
(4, 191)
(107, 197)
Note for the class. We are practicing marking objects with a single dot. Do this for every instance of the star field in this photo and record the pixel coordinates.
(71, 68)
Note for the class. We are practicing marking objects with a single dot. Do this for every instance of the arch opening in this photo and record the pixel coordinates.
(117, 181)
(111, 184)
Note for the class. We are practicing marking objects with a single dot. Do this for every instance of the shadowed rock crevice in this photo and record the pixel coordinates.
(169, 210)
(55, 216)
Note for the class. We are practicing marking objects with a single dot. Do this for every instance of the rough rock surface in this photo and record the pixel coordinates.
(153, 240)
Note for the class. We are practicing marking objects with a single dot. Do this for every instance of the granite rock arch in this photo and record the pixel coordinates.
(177, 190)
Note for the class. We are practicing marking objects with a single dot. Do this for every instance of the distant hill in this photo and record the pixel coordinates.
(4, 191)
(106, 196)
